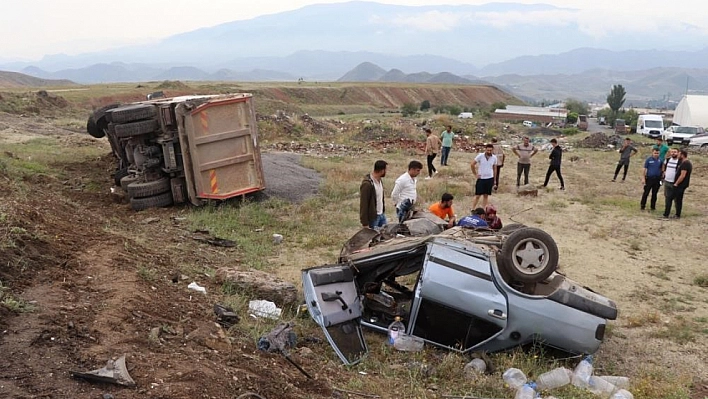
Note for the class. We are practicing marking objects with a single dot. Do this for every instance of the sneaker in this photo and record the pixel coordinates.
(675, 217)
(429, 177)
(614, 180)
(663, 217)
(562, 188)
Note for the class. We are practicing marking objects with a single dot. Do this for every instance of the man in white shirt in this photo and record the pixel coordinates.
(484, 167)
(404, 192)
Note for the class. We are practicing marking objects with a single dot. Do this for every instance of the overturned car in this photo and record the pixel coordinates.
(460, 289)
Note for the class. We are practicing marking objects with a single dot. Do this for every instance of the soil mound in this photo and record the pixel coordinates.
(172, 84)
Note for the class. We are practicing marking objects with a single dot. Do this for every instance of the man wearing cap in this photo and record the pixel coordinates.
(524, 151)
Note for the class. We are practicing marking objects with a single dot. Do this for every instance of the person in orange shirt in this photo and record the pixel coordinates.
(443, 209)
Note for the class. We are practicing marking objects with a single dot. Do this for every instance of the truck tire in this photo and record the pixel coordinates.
(530, 255)
(155, 201)
(131, 113)
(149, 189)
(119, 174)
(131, 129)
(127, 180)
(97, 121)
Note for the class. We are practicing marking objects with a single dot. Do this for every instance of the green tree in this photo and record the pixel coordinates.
(497, 105)
(454, 110)
(616, 98)
(572, 117)
(579, 107)
(409, 109)
(425, 105)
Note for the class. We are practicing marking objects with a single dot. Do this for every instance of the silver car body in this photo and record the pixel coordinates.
(461, 299)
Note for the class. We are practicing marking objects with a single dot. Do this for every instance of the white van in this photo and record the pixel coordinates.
(465, 115)
(650, 125)
(528, 123)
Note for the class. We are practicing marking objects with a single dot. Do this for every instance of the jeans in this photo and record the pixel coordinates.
(670, 194)
(444, 155)
(379, 222)
(522, 167)
(431, 167)
(551, 169)
(652, 184)
(403, 208)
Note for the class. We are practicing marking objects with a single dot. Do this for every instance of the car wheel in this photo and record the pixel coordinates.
(509, 228)
(530, 255)
(131, 113)
(155, 201)
(148, 189)
(135, 128)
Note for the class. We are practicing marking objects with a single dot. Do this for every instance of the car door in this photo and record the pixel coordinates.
(332, 300)
(456, 304)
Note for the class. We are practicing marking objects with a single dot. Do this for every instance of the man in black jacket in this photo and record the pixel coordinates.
(372, 210)
(555, 157)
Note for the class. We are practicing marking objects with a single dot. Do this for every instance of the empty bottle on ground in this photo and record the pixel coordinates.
(582, 373)
(618, 381)
(394, 329)
(600, 387)
(527, 391)
(622, 394)
(514, 377)
(555, 378)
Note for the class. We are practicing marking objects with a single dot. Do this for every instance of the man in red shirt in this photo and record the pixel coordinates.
(443, 209)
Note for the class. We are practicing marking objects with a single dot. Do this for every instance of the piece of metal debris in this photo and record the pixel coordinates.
(114, 372)
(225, 315)
(201, 235)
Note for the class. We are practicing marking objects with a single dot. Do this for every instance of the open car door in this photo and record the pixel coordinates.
(333, 302)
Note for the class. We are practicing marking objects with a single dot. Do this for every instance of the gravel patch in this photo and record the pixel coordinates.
(286, 178)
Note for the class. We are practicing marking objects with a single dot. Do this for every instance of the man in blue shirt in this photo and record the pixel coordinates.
(474, 221)
(651, 178)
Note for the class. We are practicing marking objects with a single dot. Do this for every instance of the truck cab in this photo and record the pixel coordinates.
(650, 125)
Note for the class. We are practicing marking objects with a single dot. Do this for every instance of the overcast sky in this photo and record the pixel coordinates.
(32, 28)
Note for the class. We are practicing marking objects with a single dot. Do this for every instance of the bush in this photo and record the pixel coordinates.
(454, 110)
(409, 109)
(425, 105)
(569, 131)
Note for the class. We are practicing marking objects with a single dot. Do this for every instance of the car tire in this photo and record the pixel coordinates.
(149, 189)
(131, 129)
(131, 113)
(529, 255)
(156, 201)
(509, 228)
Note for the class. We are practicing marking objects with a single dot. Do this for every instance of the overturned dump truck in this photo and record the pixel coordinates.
(183, 149)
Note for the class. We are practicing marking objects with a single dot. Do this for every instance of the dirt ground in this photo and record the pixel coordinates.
(76, 250)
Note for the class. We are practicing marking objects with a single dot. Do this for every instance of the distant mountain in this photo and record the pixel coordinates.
(594, 85)
(15, 79)
(369, 72)
(584, 59)
(364, 72)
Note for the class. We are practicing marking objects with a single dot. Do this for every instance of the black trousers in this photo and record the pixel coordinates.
(652, 185)
(431, 167)
(673, 194)
(525, 168)
(551, 169)
(496, 176)
(617, 170)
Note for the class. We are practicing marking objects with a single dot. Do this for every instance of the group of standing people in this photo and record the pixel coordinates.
(674, 173)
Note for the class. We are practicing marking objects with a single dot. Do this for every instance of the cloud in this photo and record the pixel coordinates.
(430, 21)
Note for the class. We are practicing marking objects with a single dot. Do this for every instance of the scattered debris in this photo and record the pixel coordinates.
(196, 287)
(150, 220)
(212, 336)
(277, 238)
(203, 235)
(527, 191)
(263, 285)
(262, 308)
(225, 315)
(114, 372)
(280, 339)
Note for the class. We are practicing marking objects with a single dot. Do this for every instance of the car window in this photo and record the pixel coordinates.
(653, 124)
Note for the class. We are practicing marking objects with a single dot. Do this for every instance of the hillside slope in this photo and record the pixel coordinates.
(16, 79)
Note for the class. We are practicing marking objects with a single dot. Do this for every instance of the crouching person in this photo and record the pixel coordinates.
(476, 220)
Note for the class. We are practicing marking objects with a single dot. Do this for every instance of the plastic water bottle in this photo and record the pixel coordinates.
(475, 366)
(527, 391)
(600, 387)
(514, 377)
(555, 378)
(394, 329)
(582, 373)
(622, 394)
(619, 382)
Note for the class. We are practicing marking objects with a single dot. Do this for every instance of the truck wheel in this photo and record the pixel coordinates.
(119, 174)
(131, 113)
(97, 121)
(155, 201)
(135, 128)
(149, 189)
(530, 255)
(127, 180)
